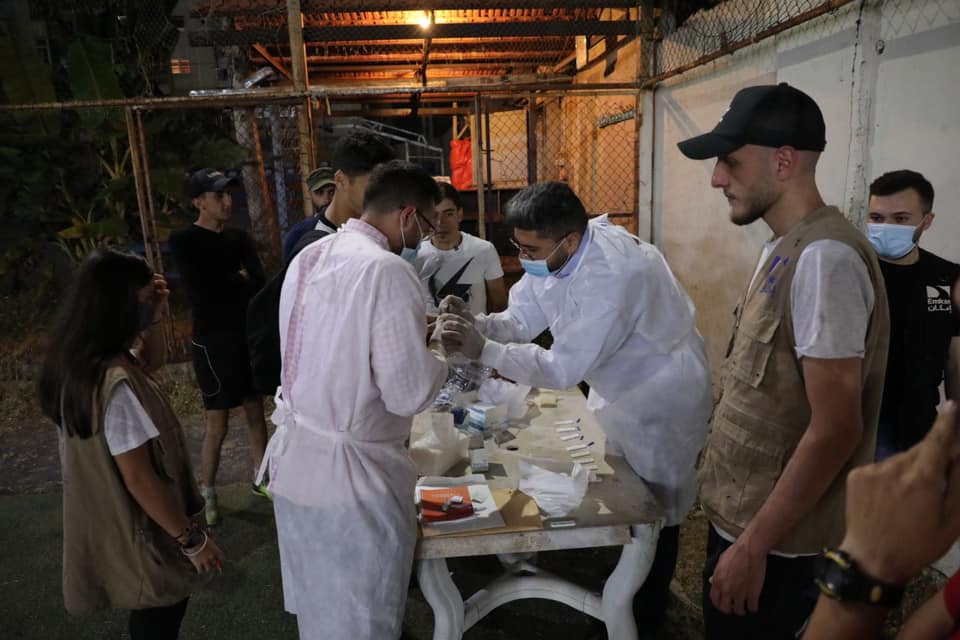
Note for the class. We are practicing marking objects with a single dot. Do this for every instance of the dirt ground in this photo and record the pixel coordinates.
(248, 604)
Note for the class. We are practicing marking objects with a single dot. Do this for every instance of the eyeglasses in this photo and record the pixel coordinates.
(520, 250)
(528, 256)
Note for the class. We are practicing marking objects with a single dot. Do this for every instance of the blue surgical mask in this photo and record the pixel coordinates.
(536, 268)
(407, 253)
(539, 268)
(891, 240)
(410, 255)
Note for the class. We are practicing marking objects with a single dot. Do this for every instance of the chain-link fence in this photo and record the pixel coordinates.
(688, 39)
(491, 94)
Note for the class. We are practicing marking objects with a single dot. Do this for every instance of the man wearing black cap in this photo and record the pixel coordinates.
(804, 371)
(221, 271)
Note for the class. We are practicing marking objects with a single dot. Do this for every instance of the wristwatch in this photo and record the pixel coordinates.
(839, 577)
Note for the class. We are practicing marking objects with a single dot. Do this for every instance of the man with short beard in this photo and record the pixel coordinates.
(804, 372)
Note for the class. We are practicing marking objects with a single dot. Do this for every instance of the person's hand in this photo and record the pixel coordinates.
(434, 327)
(210, 558)
(738, 579)
(904, 513)
(458, 335)
(159, 295)
(457, 306)
(243, 273)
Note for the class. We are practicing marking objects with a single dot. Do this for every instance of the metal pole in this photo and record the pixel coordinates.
(148, 223)
(298, 67)
(148, 196)
(146, 226)
(279, 171)
(485, 141)
(167, 322)
(531, 139)
(478, 168)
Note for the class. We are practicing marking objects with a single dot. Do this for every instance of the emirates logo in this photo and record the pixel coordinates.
(938, 299)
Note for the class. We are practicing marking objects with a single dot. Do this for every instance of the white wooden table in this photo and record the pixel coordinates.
(617, 511)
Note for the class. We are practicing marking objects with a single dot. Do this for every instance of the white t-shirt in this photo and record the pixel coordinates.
(831, 299)
(461, 271)
(126, 425)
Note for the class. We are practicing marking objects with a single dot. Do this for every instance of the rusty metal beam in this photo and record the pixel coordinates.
(259, 7)
(559, 86)
(399, 112)
(506, 41)
(417, 65)
(415, 32)
(435, 56)
(426, 58)
(275, 62)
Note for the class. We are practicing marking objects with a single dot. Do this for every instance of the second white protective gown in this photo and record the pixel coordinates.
(621, 322)
(355, 369)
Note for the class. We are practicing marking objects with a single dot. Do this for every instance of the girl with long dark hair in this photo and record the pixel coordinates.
(131, 534)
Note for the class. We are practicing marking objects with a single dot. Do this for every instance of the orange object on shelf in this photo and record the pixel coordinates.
(448, 503)
(461, 164)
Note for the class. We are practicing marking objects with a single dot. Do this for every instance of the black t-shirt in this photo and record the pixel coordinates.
(211, 265)
(921, 321)
(899, 280)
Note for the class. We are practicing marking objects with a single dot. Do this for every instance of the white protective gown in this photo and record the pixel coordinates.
(355, 369)
(622, 323)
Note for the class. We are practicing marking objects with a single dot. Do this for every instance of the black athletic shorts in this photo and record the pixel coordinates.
(222, 367)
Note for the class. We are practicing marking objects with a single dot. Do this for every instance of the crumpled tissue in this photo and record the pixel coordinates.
(556, 493)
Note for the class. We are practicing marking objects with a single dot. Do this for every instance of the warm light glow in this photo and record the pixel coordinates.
(426, 20)
(179, 66)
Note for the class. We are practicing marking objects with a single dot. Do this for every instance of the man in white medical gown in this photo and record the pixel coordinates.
(355, 370)
(620, 322)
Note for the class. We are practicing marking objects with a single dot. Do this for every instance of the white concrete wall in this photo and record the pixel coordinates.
(886, 78)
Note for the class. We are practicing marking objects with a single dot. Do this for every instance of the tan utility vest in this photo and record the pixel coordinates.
(763, 411)
(114, 555)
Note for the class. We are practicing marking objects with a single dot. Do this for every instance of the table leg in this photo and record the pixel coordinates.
(622, 585)
(444, 598)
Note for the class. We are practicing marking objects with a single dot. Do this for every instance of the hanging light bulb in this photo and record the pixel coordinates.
(426, 21)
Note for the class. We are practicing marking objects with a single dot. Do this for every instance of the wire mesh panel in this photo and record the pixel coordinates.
(255, 144)
(587, 141)
(689, 38)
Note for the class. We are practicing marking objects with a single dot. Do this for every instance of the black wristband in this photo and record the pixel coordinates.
(839, 577)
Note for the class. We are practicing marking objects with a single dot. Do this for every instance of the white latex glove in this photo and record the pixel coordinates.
(456, 306)
(437, 328)
(460, 336)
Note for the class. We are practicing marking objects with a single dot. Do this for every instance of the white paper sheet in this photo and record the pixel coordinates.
(486, 515)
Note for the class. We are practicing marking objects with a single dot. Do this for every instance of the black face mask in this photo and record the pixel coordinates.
(144, 315)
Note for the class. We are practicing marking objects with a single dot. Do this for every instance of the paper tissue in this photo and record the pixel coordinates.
(555, 492)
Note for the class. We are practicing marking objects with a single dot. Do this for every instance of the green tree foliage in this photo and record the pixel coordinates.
(66, 175)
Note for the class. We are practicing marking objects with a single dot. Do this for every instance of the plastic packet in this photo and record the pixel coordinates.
(503, 392)
(555, 492)
(440, 447)
(463, 377)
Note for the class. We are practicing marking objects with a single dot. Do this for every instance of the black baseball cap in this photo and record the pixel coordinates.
(772, 115)
(208, 180)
